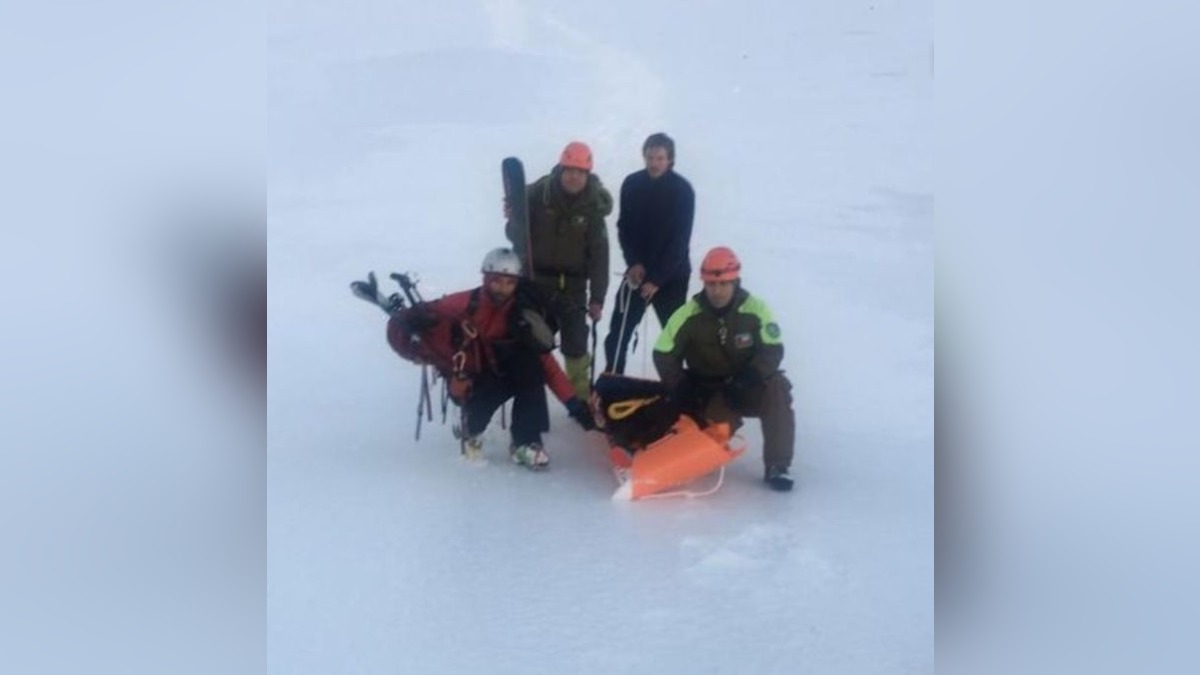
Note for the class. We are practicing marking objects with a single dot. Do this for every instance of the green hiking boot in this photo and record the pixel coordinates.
(472, 448)
(577, 373)
(530, 455)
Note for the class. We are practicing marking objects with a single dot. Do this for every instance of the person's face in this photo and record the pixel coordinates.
(573, 180)
(500, 288)
(719, 293)
(657, 161)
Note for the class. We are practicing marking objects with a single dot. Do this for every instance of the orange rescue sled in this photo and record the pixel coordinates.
(684, 454)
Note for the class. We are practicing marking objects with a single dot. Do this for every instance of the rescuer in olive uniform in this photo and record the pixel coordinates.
(732, 349)
(568, 239)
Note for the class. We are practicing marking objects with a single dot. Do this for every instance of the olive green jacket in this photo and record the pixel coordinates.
(569, 235)
(717, 345)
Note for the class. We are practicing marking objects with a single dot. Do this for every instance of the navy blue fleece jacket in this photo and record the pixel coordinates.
(655, 224)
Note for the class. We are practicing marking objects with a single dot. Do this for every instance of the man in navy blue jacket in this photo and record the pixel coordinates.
(655, 231)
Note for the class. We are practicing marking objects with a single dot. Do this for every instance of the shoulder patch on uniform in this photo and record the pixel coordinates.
(773, 330)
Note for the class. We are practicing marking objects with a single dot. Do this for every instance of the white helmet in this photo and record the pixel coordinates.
(501, 261)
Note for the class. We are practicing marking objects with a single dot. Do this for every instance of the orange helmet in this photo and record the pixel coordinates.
(576, 156)
(720, 264)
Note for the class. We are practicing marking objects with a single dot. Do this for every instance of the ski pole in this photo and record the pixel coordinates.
(592, 365)
(409, 287)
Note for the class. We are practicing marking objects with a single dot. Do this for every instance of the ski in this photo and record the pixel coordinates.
(513, 173)
(369, 291)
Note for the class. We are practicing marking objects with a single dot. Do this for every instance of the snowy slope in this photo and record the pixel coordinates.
(806, 130)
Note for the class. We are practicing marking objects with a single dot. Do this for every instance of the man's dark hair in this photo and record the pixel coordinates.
(660, 140)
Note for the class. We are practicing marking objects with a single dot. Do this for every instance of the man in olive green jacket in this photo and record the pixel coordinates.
(569, 239)
(733, 351)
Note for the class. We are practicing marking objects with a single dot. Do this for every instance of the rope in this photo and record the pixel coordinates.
(622, 409)
(644, 330)
(623, 294)
(689, 493)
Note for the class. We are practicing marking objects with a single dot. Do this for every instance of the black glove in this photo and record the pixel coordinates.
(746, 378)
(741, 384)
(579, 411)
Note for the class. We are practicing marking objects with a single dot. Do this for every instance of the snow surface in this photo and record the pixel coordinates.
(806, 129)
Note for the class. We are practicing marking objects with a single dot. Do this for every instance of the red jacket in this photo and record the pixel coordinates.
(490, 323)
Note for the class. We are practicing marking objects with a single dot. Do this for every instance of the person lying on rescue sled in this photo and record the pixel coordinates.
(499, 347)
(733, 350)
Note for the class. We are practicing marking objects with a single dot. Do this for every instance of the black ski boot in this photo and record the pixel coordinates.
(778, 479)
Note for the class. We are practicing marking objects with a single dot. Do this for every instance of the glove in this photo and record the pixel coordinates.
(746, 378)
(579, 411)
(741, 384)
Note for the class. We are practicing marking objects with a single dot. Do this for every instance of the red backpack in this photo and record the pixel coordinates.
(416, 346)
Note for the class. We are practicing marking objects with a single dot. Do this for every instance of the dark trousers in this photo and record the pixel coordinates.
(770, 402)
(521, 379)
(569, 307)
(670, 297)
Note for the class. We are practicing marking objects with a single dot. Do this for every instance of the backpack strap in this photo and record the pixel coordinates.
(464, 335)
